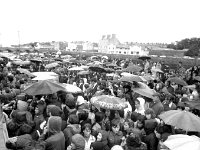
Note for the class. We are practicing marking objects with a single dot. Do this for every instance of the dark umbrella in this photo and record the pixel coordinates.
(97, 68)
(133, 68)
(144, 58)
(177, 80)
(44, 87)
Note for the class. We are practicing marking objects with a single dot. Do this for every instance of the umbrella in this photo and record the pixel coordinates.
(108, 102)
(25, 71)
(157, 70)
(111, 65)
(52, 65)
(20, 62)
(197, 78)
(84, 67)
(83, 73)
(130, 78)
(144, 90)
(76, 69)
(97, 68)
(181, 119)
(71, 88)
(44, 73)
(182, 142)
(177, 80)
(133, 68)
(105, 57)
(36, 60)
(193, 104)
(45, 77)
(44, 87)
(109, 70)
(144, 58)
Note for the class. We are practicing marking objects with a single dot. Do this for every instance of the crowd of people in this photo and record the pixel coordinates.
(69, 121)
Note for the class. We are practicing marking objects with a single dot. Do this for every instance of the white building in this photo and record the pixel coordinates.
(71, 46)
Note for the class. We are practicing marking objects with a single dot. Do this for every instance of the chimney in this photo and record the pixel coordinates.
(113, 36)
(108, 37)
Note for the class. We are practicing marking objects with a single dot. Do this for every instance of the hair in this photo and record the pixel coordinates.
(73, 119)
(151, 112)
(82, 115)
(99, 116)
(115, 123)
(86, 126)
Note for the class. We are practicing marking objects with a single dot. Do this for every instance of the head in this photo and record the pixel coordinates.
(54, 124)
(73, 119)
(149, 113)
(78, 142)
(86, 130)
(99, 116)
(115, 126)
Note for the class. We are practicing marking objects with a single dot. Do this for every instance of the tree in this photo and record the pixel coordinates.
(193, 51)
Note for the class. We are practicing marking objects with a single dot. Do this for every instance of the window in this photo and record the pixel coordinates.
(131, 52)
(120, 52)
(124, 52)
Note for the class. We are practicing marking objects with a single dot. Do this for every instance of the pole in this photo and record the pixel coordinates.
(19, 38)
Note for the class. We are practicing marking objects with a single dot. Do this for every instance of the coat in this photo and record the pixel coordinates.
(114, 139)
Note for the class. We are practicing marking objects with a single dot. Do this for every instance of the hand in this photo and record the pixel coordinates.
(45, 130)
(12, 140)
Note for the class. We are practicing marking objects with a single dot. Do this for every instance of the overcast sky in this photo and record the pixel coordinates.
(67, 20)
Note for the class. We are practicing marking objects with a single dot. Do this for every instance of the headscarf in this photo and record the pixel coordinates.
(54, 125)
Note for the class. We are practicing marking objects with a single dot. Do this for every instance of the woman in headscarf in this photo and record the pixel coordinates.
(139, 105)
(52, 135)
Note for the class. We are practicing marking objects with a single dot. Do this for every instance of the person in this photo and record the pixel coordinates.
(139, 105)
(101, 143)
(133, 142)
(115, 135)
(72, 129)
(77, 143)
(156, 105)
(168, 103)
(52, 136)
(89, 138)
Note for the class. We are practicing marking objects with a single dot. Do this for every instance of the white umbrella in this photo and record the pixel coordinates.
(182, 142)
(76, 69)
(71, 88)
(45, 77)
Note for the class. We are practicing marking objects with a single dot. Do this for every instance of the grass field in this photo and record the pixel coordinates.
(169, 59)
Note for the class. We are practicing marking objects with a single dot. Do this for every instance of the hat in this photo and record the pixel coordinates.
(80, 100)
(22, 105)
(78, 141)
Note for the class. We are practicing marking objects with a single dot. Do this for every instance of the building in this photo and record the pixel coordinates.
(110, 44)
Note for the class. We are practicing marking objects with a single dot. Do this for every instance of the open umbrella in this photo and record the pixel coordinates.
(181, 119)
(71, 88)
(109, 70)
(25, 71)
(157, 70)
(144, 90)
(20, 62)
(144, 58)
(76, 69)
(130, 78)
(44, 87)
(51, 65)
(133, 68)
(177, 80)
(83, 73)
(193, 104)
(97, 68)
(108, 102)
(182, 142)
